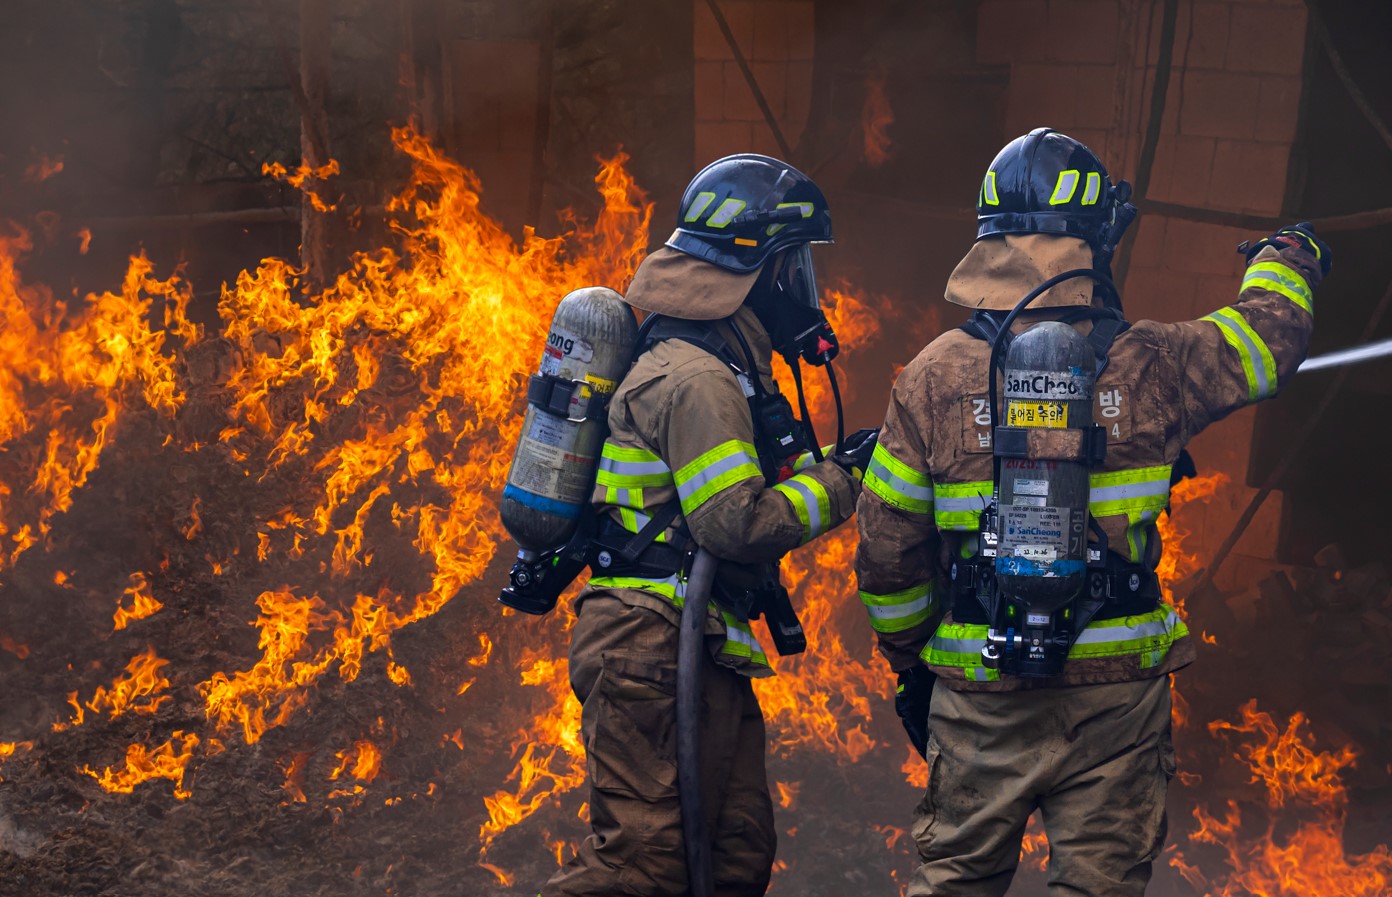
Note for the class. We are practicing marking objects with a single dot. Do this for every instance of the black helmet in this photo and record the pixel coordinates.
(1048, 183)
(740, 210)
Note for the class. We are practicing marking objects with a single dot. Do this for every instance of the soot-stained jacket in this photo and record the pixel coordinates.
(931, 474)
(681, 430)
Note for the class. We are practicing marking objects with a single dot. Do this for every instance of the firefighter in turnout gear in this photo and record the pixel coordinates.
(703, 451)
(1075, 721)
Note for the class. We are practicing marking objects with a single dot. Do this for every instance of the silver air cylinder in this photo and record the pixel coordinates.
(553, 468)
(1041, 560)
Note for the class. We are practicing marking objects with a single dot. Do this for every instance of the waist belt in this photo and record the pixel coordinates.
(1125, 590)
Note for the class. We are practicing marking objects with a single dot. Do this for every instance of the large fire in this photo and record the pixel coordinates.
(334, 459)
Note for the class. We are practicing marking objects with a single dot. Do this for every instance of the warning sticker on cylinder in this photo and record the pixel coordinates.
(1052, 415)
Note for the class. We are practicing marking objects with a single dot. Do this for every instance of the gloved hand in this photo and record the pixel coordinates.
(912, 701)
(1295, 236)
(856, 450)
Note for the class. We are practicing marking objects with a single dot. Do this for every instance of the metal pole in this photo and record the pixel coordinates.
(691, 651)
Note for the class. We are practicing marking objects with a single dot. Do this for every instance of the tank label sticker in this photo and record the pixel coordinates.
(565, 352)
(1054, 385)
(1031, 487)
(1112, 409)
(1051, 415)
(976, 425)
(1037, 552)
(1033, 526)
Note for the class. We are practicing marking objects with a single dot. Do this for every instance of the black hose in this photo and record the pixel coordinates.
(840, 415)
(816, 447)
(691, 657)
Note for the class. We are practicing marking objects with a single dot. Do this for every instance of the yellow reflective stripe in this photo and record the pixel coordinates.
(958, 506)
(900, 610)
(699, 206)
(806, 208)
(740, 641)
(1123, 491)
(726, 212)
(810, 502)
(988, 190)
(739, 638)
(898, 484)
(626, 467)
(1281, 279)
(1257, 361)
(959, 645)
(671, 588)
(1093, 190)
(1066, 186)
(1148, 637)
(728, 464)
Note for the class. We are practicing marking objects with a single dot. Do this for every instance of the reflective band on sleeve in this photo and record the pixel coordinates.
(728, 464)
(740, 640)
(624, 467)
(810, 502)
(898, 484)
(901, 610)
(1257, 361)
(1124, 491)
(1281, 279)
(958, 506)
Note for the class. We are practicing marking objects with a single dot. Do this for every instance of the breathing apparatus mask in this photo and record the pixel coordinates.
(786, 301)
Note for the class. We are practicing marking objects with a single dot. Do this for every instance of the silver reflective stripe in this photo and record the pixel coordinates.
(747, 639)
(959, 645)
(966, 503)
(632, 468)
(621, 498)
(809, 501)
(1254, 354)
(979, 674)
(1094, 635)
(711, 472)
(1145, 489)
(898, 483)
(895, 611)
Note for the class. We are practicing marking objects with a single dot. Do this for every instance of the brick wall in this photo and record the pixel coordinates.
(775, 37)
(1087, 67)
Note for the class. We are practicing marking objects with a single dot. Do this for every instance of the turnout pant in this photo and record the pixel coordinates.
(623, 668)
(1096, 760)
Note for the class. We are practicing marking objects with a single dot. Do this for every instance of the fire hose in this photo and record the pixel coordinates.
(691, 651)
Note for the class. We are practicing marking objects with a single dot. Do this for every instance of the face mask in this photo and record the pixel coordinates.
(786, 302)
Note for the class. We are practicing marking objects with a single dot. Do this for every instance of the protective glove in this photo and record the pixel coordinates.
(856, 450)
(1294, 236)
(912, 701)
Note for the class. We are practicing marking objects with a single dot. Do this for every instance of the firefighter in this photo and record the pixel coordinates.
(1086, 742)
(702, 452)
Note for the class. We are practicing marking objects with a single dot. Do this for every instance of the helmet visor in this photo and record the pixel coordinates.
(798, 278)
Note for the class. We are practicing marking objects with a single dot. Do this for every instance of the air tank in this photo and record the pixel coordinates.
(587, 352)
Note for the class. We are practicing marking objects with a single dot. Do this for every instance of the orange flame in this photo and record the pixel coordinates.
(1309, 860)
(164, 762)
(143, 602)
